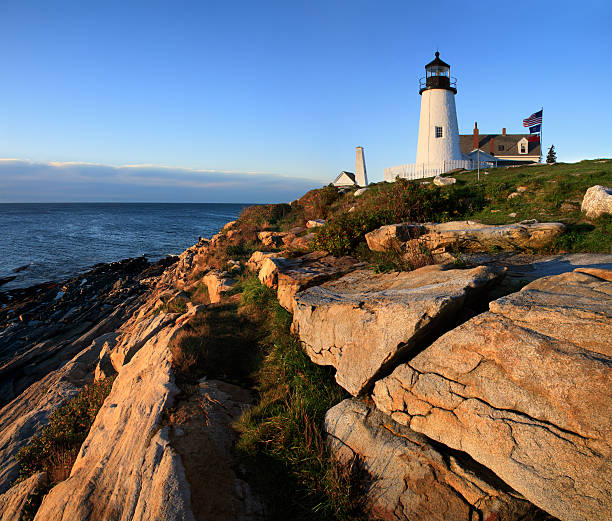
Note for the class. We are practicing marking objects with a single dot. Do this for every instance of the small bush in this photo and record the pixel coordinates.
(264, 215)
(177, 304)
(241, 250)
(55, 449)
(341, 235)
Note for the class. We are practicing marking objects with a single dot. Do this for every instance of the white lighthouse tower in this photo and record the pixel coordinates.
(438, 145)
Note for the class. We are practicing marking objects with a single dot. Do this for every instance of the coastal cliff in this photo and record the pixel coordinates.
(257, 377)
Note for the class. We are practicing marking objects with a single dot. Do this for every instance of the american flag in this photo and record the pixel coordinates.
(534, 119)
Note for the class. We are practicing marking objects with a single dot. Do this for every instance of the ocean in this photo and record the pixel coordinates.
(54, 241)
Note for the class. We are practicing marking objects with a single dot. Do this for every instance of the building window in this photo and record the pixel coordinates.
(500, 148)
(523, 149)
(438, 131)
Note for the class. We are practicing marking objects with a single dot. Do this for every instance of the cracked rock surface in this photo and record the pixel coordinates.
(413, 477)
(288, 276)
(126, 468)
(362, 323)
(525, 389)
(469, 236)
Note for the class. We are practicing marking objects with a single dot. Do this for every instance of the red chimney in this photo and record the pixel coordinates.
(504, 131)
(492, 149)
(476, 139)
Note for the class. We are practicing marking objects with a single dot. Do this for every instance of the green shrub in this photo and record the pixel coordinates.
(177, 304)
(264, 215)
(241, 250)
(55, 449)
(342, 234)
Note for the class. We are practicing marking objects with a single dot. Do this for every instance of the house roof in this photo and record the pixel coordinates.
(509, 141)
(350, 175)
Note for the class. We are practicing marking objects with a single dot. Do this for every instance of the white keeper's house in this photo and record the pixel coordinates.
(441, 148)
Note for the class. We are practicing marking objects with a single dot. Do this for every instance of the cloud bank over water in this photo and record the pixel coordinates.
(27, 181)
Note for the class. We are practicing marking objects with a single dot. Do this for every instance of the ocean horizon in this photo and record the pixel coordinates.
(53, 241)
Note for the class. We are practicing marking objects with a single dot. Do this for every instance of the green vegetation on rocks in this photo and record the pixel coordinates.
(281, 436)
(55, 449)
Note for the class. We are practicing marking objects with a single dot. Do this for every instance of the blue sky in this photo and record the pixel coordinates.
(271, 98)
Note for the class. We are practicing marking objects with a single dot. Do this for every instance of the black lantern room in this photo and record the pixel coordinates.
(437, 76)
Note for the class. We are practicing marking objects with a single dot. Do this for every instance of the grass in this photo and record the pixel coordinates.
(246, 340)
(281, 437)
(55, 449)
(177, 304)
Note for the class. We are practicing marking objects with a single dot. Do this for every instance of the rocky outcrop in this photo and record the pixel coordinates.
(288, 276)
(44, 326)
(126, 468)
(526, 390)
(393, 236)
(135, 335)
(315, 223)
(17, 502)
(413, 478)
(364, 322)
(217, 283)
(597, 201)
(472, 236)
(467, 236)
(444, 181)
(256, 260)
(271, 239)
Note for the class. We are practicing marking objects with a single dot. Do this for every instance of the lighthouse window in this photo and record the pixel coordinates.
(438, 131)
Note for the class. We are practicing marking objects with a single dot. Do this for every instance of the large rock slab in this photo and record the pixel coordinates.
(126, 468)
(468, 236)
(526, 390)
(413, 478)
(288, 276)
(473, 236)
(16, 502)
(364, 322)
(597, 201)
(393, 236)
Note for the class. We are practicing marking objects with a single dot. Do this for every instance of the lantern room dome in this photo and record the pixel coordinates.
(437, 62)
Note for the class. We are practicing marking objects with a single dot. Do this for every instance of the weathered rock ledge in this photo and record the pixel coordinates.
(413, 477)
(364, 322)
(468, 236)
(525, 389)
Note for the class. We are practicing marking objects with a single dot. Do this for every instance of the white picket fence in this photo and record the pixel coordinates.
(422, 170)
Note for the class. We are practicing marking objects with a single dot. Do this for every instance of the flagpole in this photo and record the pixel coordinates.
(541, 140)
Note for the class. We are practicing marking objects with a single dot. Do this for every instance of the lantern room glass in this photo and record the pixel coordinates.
(437, 70)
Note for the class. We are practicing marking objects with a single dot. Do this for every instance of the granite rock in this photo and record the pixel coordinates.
(413, 478)
(364, 322)
(526, 390)
(597, 201)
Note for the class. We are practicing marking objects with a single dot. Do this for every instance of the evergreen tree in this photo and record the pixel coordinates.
(551, 158)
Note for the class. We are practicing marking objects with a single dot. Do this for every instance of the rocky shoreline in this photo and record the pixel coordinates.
(472, 398)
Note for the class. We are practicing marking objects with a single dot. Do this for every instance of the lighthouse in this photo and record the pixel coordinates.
(438, 145)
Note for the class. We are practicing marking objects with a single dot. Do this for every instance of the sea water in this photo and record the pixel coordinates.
(57, 240)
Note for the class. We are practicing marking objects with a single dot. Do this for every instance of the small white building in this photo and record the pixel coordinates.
(359, 178)
(345, 179)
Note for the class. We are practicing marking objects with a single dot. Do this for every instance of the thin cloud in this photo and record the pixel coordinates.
(30, 181)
